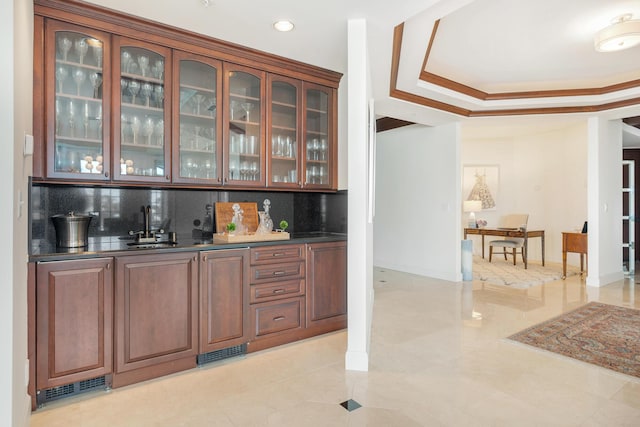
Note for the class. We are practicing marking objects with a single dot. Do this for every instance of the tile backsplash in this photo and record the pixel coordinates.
(116, 211)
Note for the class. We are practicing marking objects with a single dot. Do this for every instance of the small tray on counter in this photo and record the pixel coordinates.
(251, 237)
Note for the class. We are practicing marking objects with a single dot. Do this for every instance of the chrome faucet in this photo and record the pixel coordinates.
(146, 235)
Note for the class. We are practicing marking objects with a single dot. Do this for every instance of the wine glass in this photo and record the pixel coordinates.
(158, 68)
(85, 118)
(96, 80)
(65, 47)
(82, 47)
(198, 99)
(58, 114)
(71, 118)
(158, 95)
(61, 75)
(79, 76)
(97, 52)
(146, 90)
(247, 106)
(124, 83)
(126, 59)
(134, 89)
(143, 62)
(148, 128)
(159, 131)
(254, 170)
(233, 167)
(316, 148)
(323, 149)
(135, 128)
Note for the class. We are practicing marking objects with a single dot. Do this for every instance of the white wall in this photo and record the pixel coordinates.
(16, 68)
(543, 174)
(418, 186)
(605, 201)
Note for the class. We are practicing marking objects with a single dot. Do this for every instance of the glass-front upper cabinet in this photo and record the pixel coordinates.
(244, 158)
(318, 138)
(77, 96)
(283, 133)
(141, 111)
(197, 157)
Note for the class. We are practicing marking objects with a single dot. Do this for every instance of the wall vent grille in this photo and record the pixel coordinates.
(225, 353)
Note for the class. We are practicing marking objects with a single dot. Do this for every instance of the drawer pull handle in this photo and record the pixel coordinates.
(279, 273)
(276, 319)
(278, 254)
(278, 291)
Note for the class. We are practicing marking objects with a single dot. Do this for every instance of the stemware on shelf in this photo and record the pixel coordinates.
(61, 75)
(79, 76)
(134, 89)
(247, 107)
(158, 95)
(124, 121)
(135, 128)
(143, 63)
(85, 118)
(158, 69)
(82, 47)
(159, 131)
(71, 118)
(146, 91)
(96, 48)
(124, 84)
(65, 47)
(58, 114)
(198, 98)
(126, 59)
(96, 80)
(148, 128)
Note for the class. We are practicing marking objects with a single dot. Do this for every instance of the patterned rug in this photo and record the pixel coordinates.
(501, 272)
(596, 333)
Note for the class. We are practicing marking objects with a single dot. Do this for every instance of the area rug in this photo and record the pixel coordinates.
(600, 334)
(501, 272)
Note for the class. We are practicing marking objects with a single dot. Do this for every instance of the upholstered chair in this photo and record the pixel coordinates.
(510, 245)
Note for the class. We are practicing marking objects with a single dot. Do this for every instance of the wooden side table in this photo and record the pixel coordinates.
(577, 243)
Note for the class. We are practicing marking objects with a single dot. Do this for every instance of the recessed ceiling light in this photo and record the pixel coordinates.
(206, 3)
(283, 25)
(623, 33)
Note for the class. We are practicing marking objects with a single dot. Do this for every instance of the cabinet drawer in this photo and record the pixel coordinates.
(278, 290)
(277, 254)
(269, 273)
(277, 316)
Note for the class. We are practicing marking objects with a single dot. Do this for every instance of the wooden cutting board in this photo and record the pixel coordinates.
(224, 215)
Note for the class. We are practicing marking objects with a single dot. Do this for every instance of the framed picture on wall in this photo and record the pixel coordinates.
(480, 182)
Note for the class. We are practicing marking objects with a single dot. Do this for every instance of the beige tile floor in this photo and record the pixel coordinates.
(438, 358)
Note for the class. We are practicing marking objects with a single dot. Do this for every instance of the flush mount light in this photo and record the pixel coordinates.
(206, 3)
(623, 33)
(283, 25)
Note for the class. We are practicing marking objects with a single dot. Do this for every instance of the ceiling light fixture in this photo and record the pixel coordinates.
(623, 33)
(206, 3)
(283, 25)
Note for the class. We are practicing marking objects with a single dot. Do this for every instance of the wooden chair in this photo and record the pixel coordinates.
(510, 245)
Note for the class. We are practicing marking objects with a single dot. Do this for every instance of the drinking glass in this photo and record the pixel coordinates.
(148, 128)
(82, 47)
(124, 121)
(143, 62)
(233, 167)
(198, 98)
(58, 114)
(126, 59)
(71, 118)
(247, 106)
(158, 95)
(97, 52)
(158, 68)
(96, 80)
(323, 149)
(134, 89)
(65, 47)
(159, 131)
(146, 90)
(135, 128)
(61, 75)
(79, 76)
(316, 148)
(124, 83)
(85, 119)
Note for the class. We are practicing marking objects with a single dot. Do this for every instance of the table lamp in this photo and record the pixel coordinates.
(472, 206)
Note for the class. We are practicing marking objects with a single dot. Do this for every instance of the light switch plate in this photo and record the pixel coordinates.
(28, 145)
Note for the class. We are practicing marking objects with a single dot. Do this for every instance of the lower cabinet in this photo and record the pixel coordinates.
(224, 298)
(156, 322)
(326, 286)
(73, 321)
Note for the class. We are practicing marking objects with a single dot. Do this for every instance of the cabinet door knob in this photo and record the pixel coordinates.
(106, 174)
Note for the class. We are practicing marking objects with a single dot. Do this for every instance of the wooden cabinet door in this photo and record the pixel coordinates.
(155, 309)
(224, 299)
(284, 118)
(77, 90)
(74, 319)
(197, 134)
(326, 282)
(320, 137)
(244, 116)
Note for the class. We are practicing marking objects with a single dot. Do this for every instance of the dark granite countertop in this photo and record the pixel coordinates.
(115, 245)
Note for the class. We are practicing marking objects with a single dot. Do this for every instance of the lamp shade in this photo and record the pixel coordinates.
(472, 205)
(622, 34)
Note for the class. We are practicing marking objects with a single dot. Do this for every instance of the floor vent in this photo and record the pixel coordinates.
(225, 353)
(69, 390)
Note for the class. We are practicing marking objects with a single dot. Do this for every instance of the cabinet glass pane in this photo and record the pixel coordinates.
(142, 124)
(317, 137)
(198, 156)
(78, 104)
(284, 133)
(244, 127)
